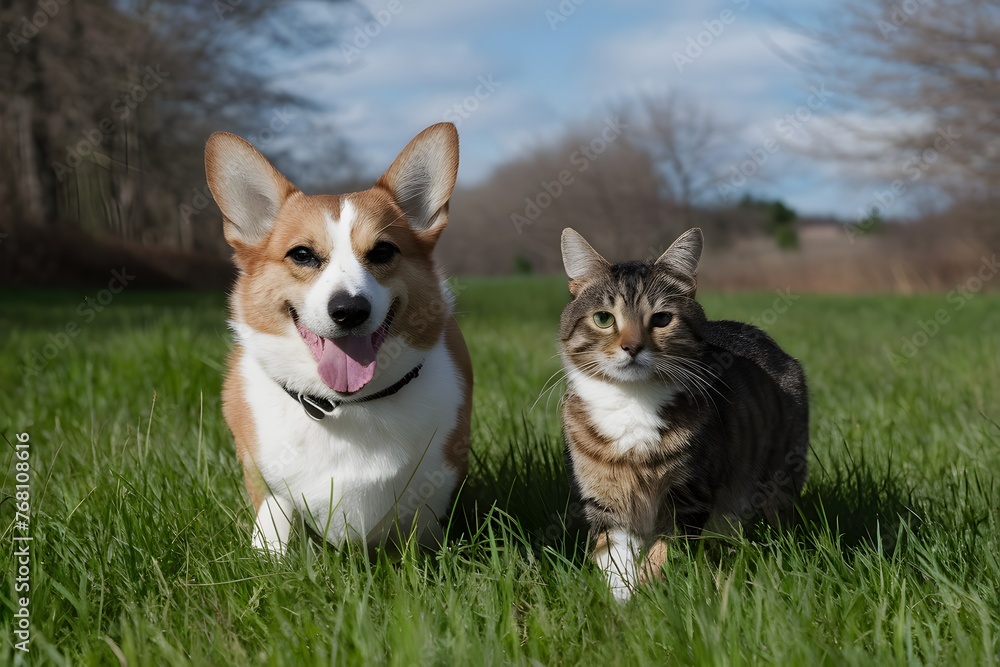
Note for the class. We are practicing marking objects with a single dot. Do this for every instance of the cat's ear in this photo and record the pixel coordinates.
(683, 254)
(581, 260)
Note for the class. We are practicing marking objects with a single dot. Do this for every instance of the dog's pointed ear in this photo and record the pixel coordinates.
(581, 261)
(422, 178)
(247, 188)
(684, 254)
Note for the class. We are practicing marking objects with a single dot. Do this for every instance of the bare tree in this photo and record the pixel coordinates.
(924, 78)
(105, 107)
(629, 182)
(591, 178)
(688, 144)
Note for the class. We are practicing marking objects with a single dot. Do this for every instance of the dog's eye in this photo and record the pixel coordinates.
(382, 253)
(603, 319)
(303, 256)
(660, 319)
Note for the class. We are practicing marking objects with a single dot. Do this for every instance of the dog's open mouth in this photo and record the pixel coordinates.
(346, 364)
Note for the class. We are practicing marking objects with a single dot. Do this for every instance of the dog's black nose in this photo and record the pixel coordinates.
(349, 311)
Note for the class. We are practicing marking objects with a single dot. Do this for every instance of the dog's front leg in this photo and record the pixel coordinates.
(273, 523)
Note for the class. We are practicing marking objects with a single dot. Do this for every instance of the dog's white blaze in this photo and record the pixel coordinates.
(627, 414)
(620, 563)
(359, 470)
(343, 273)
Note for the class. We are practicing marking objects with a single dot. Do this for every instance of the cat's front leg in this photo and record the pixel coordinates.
(652, 567)
(617, 552)
(670, 528)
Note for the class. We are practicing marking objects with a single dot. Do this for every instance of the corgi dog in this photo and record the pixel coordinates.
(349, 389)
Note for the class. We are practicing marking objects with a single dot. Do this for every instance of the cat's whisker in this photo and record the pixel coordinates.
(592, 365)
(713, 372)
(700, 384)
(683, 382)
(545, 385)
(696, 367)
(701, 381)
(554, 381)
(562, 371)
(696, 389)
(667, 377)
(694, 363)
(547, 389)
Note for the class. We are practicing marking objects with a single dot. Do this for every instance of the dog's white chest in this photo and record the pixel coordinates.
(366, 466)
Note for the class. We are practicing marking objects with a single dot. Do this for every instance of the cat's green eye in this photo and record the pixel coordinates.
(603, 319)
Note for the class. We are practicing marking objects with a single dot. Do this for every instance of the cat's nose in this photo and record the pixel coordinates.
(631, 343)
(633, 349)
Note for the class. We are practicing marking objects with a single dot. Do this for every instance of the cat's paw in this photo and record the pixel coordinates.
(652, 568)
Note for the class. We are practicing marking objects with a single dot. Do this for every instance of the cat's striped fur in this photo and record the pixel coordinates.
(672, 422)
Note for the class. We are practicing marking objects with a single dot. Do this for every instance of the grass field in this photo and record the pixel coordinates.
(141, 551)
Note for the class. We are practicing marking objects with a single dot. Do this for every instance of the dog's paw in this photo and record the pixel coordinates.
(267, 546)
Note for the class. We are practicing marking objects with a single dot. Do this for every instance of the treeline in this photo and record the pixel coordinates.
(903, 96)
(629, 181)
(105, 107)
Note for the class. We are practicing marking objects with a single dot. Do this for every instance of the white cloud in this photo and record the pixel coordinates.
(430, 55)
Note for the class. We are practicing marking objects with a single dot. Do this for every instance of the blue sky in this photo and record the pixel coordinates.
(431, 55)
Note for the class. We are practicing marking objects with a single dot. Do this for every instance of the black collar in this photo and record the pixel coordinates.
(318, 407)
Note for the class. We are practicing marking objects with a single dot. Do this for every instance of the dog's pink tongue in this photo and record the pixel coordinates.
(348, 364)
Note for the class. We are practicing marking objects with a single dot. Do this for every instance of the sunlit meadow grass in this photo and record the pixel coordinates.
(141, 550)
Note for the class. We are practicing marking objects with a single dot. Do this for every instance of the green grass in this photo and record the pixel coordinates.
(142, 551)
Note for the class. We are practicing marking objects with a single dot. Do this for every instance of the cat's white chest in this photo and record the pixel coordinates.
(628, 415)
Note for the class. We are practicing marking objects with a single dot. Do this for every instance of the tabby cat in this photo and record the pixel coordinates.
(673, 423)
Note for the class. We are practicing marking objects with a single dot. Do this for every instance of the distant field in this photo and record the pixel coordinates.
(141, 550)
